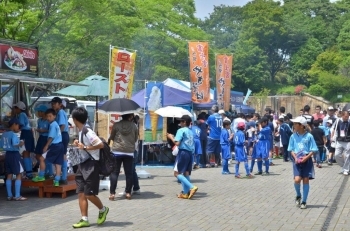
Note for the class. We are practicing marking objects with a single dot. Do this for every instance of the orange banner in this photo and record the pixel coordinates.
(223, 80)
(199, 71)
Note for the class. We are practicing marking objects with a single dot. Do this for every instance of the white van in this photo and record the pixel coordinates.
(90, 107)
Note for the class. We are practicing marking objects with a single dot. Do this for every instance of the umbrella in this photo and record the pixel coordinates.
(119, 106)
(171, 111)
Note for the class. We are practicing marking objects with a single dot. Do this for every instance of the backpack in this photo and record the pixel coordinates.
(107, 161)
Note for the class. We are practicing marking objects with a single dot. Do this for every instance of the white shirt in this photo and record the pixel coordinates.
(235, 123)
(91, 139)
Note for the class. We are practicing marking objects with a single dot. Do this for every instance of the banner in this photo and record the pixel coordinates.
(153, 130)
(199, 72)
(223, 80)
(247, 96)
(18, 59)
(121, 73)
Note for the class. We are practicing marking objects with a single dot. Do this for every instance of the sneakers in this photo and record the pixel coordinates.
(303, 205)
(102, 216)
(345, 173)
(65, 182)
(49, 177)
(225, 173)
(38, 179)
(182, 196)
(258, 173)
(318, 165)
(56, 183)
(137, 192)
(81, 224)
(297, 201)
(192, 192)
(329, 163)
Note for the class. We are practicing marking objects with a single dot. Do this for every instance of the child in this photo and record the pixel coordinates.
(26, 135)
(58, 104)
(42, 129)
(320, 140)
(302, 147)
(10, 143)
(197, 145)
(241, 155)
(255, 140)
(285, 133)
(263, 145)
(53, 147)
(272, 129)
(331, 150)
(225, 140)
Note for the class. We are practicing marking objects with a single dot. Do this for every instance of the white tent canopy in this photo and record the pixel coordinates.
(182, 85)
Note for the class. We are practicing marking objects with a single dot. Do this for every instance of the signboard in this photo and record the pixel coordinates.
(223, 80)
(18, 58)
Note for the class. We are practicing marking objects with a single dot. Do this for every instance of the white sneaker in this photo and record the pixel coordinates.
(122, 193)
(345, 173)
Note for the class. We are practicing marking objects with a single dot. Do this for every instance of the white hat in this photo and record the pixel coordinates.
(222, 112)
(227, 119)
(20, 105)
(330, 121)
(299, 119)
(330, 108)
(64, 103)
(281, 117)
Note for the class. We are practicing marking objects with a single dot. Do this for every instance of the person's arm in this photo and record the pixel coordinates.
(94, 140)
(61, 121)
(16, 142)
(113, 133)
(313, 149)
(48, 143)
(177, 139)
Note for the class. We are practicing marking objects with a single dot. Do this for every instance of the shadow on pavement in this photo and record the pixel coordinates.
(114, 224)
(317, 206)
(147, 195)
(4, 220)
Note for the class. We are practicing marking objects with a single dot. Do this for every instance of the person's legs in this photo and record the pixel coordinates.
(128, 170)
(297, 181)
(267, 165)
(237, 168)
(9, 186)
(285, 153)
(58, 174)
(259, 163)
(113, 178)
(346, 165)
(224, 166)
(65, 141)
(41, 175)
(339, 154)
(136, 185)
(28, 165)
(306, 188)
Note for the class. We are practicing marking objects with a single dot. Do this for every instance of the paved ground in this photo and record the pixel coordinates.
(222, 203)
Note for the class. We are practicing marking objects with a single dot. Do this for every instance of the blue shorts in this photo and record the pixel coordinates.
(197, 147)
(28, 137)
(226, 152)
(65, 142)
(13, 162)
(304, 170)
(240, 154)
(213, 146)
(55, 154)
(40, 144)
(183, 162)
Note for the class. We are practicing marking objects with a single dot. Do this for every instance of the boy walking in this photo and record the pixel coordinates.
(320, 140)
(87, 176)
(225, 141)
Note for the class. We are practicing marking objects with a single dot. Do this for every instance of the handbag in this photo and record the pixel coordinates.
(334, 138)
(77, 156)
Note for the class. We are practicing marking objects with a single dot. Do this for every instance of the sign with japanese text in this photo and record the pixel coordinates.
(199, 71)
(121, 77)
(223, 80)
(18, 58)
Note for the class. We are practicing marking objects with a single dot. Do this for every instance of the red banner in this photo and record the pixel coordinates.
(199, 72)
(18, 59)
(223, 80)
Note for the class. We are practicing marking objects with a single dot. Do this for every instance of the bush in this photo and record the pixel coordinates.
(316, 90)
(289, 90)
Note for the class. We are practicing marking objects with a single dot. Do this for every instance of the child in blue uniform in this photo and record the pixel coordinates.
(240, 150)
(225, 142)
(197, 145)
(53, 147)
(13, 163)
(26, 135)
(62, 121)
(302, 147)
(42, 129)
(183, 162)
(263, 146)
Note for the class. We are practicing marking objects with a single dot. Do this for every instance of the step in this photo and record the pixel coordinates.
(70, 177)
(27, 183)
(62, 189)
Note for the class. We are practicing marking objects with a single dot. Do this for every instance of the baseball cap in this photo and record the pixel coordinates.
(241, 125)
(42, 108)
(222, 112)
(281, 117)
(56, 100)
(330, 121)
(299, 119)
(20, 105)
(186, 118)
(13, 121)
(330, 108)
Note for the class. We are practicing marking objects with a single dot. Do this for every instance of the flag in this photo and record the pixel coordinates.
(247, 96)
(223, 80)
(199, 71)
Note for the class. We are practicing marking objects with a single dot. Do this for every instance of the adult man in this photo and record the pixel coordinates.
(282, 112)
(87, 177)
(223, 115)
(201, 123)
(213, 147)
(318, 115)
(330, 116)
(308, 117)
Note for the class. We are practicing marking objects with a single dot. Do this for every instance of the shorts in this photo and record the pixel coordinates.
(87, 178)
(250, 142)
(305, 170)
(55, 154)
(213, 146)
(13, 162)
(65, 142)
(40, 144)
(183, 162)
(28, 137)
(197, 147)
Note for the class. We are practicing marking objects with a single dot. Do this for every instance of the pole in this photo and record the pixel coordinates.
(143, 121)
(96, 117)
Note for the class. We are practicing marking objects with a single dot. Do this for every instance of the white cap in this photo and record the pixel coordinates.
(330, 108)
(330, 121)
(299, 119)
(281, 117)
(20, 105)
(222, 112)
(227, 119)
(321, 112)
(64, 103)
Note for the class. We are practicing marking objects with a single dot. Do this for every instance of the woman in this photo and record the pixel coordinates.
(124, 135)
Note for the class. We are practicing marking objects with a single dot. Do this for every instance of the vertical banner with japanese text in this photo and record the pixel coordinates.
(121, 77)
(223, 80)
(199, 71)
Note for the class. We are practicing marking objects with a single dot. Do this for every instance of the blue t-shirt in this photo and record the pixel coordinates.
(239, 138)
(23, 121)
(43, 124)
(325, 129)
(302, 143)
(62, 119)
(204, 131)
(196, 132)
(185, 137)
(9, 140)
(215, 124)
(55, 133)
(264, 133)
(224, 137)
